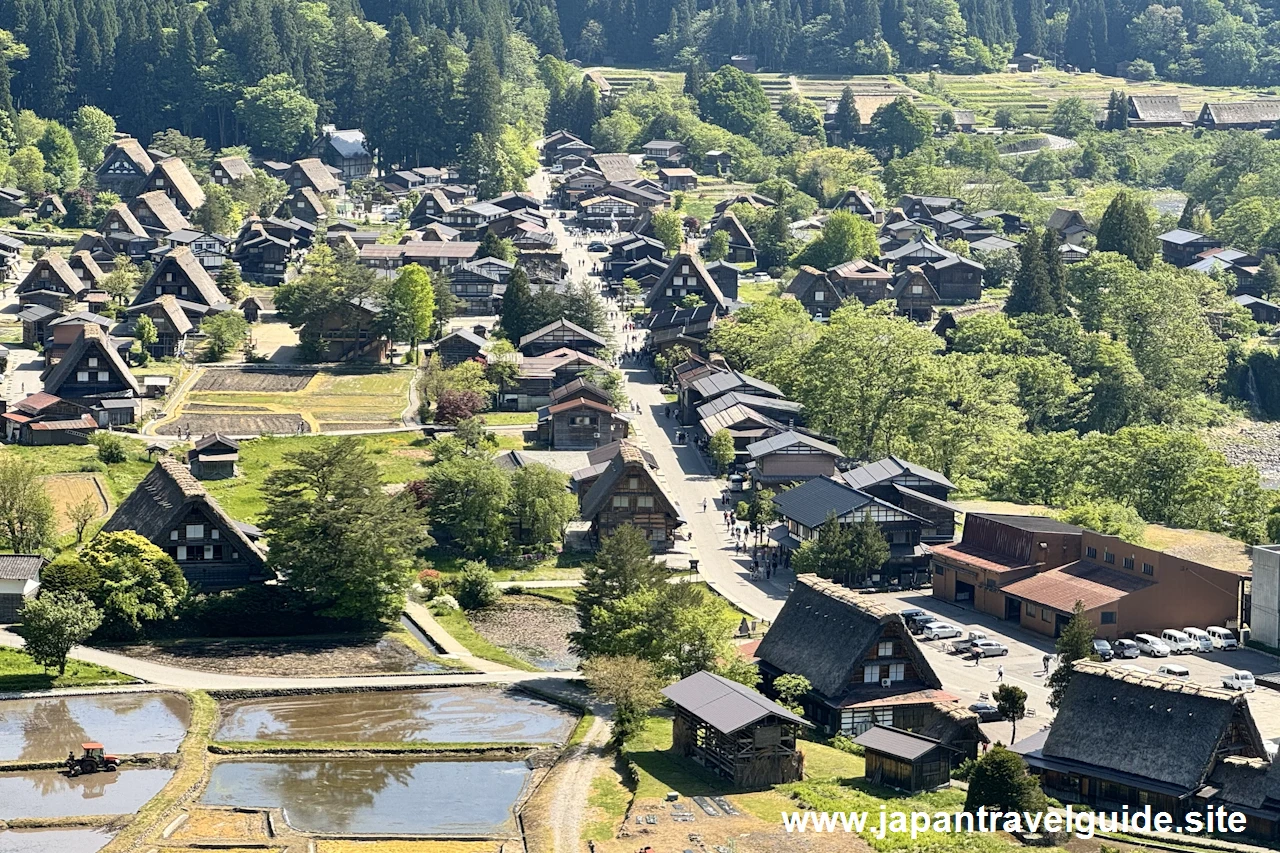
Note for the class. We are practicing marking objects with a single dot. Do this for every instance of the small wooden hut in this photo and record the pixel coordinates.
(903, 760)
(735, 732)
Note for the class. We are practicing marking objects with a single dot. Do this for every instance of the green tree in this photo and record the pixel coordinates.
(493, 246)
(224, 333)
(715, 249)
(844, 237)
(668, 227)
(1107, 516)
(901, 127)
(518, 318)
(482, 94)
(61, 160)
(733, 99)
(722, 450)
(82, 513)
(218, 213)
(26, 512)
(337, 537)
(541, 505)
(1117, 111)
(475, 588)
(1012, 703)
(1126, 229)
(828, 555)
(623, 566)
(1075, 643)
(133, 582)
(408, 311)
(53, 623)
(27, 168)
(469, 500)
(230, 284)
(1071, 117)
(1031, 290)
(276, 115)
(868, 550)
(192, 151)
(92, 131)
(791, 688)
(631, 685)
(1268, 277)
(1000, 781)
(144, 329)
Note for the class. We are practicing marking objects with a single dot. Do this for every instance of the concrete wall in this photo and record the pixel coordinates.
(1265, 621)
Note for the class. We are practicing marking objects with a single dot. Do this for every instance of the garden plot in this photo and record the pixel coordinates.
(250, 381)
(68, 490)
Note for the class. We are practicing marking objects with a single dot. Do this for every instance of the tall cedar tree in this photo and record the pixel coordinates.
(1126, 228)
(337, 536)
(1056, 271)
(1076, 643)
(868, 550)
(1031, 292)
(482, 89)
(847, 121)
(518, 309)
(1268, 277)
(624, 565)
(1117, 111)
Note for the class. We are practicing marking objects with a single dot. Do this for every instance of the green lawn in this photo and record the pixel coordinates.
(561, 567)
(757, 291)
(19, 672)
(121, 478)
(509, 418)
(610, 799)
(456, 624)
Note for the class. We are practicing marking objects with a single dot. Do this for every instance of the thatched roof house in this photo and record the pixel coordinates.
(172, 509)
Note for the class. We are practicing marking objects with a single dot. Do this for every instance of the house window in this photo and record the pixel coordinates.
(159, 182)
(1108, 617)
(644, 501)
(104, 376)
(213, 534)
(183, 290)
(82, 376)
(182, 552)
(195, 531)
(1091, 551)
(1031, 610)
(917, 289)
(1148, 569)
(173, 536)
(897, 671)
(208, 552)
(621, 502)
(1128, 562)
(885, 649)
(633, 482)
(168, 276)
(1108, 557)
(93, 362)
(582, 420)
(819, 296)
(871, 673)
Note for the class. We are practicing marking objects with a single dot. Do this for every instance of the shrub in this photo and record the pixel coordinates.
(257, 611)
(844, 743)
(431, 582)
(111, 447)
(474, 588)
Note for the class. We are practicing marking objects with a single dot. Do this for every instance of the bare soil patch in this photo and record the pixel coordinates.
(1255, 443)
(246, 424)
(223, 824)
(215, 408)
(253, 380)
(533, 629)
(322, 655)
(67, 490)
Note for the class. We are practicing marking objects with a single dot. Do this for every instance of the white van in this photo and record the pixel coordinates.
(1204, 643)
(1241, 679)
(1178, 642)
(1175, 670)
(1222, 638)
(1150, 645)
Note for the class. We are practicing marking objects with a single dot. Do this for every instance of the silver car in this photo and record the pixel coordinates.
(941, 631)
(988, 649)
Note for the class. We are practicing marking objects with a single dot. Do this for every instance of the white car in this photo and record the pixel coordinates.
(1241, 679)
(1174, 670)
(1203, 642)
(941, 631)
(988, 649)
(1178, 642)
(1126, 649)
(1222, 638)
(1153, 646)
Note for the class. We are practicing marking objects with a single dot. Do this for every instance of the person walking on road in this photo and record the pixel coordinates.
(1000, 673)
(704, 504)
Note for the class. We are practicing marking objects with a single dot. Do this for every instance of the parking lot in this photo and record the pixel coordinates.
(1023, 666)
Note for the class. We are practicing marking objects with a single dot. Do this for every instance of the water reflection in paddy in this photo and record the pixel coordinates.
(458, 715)
(49, 793)
(53, 840)
(126, 723)
(377, 797)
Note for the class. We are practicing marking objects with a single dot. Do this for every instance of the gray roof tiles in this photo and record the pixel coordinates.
(725, 705)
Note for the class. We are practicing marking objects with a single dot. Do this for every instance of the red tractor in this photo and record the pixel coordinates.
(94, 760)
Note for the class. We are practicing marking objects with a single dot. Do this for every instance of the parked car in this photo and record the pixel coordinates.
(597, 246)
(941, 631)
(989, 649)
(1102, 649)
(970, 641)
(1201, 638)
(1126, 649)
(1241, 679)
(1136, 669)
(987, 712)
(911, 614)
(1222, 638)
(762, 277)
(1150, 645)
(1174, 670)
(1178, 642)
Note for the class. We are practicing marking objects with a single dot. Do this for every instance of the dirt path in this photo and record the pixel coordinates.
(573, 787)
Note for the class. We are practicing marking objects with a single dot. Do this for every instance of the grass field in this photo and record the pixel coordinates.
(332, 399)
(456, 624)
(120, 479)
(20, 672)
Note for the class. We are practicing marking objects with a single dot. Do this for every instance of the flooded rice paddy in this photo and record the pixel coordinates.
(48, 793)
(454, 715)
(360, 796)
(53, 840)
(126, 723)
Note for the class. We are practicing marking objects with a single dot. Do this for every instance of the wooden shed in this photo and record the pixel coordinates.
(903, 760)
(735, 732)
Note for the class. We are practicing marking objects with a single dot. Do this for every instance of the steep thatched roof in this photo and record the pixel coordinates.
(91, 341)
(164, 498)
(1156, 108)
(183, 264)
(50, 271)
(179, 180)
(169, 307)
(1263, 111)
(824, 631)
(1153, 727)
(162, 208)
(631, 461)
